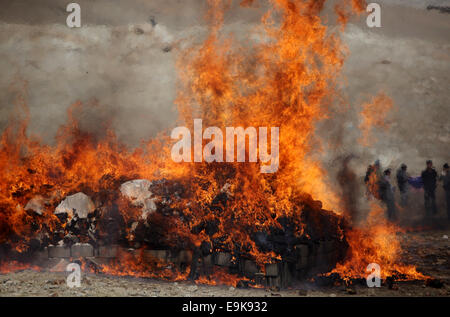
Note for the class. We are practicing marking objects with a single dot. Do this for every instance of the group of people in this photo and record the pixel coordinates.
(379, 185)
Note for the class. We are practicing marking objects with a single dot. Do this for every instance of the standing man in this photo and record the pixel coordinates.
(402, 182)
(429, 178)
(387, 195)
(445, 178)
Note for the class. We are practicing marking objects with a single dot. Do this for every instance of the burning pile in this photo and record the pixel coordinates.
(376, 242)
(87, 190)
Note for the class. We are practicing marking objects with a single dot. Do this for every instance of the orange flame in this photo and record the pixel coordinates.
(373, 116)
(376, 242)
(14, 266)
(285, 79)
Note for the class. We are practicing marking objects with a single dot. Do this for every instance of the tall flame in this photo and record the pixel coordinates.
(287, 79)
(376, 242)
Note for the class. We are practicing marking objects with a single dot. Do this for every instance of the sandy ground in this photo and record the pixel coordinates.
(429, 251)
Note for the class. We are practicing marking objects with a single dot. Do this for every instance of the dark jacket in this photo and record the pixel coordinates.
(446, 181)
(429, 178)
(402, 180)
(386, 189)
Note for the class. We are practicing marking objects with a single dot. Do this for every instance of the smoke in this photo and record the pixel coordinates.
(406, 62)
(123, 76)
(121, 64)
(350, 189)
(122, 60)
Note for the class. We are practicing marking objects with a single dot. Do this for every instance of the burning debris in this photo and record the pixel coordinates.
(36, 204)
(137, 191)
(78, 205)
(146, 240)
(137, 212)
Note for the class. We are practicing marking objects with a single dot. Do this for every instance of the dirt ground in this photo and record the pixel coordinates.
(429, 251)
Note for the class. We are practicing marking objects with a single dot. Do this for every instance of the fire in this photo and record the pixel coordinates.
(286, 79)
(127, 264)
(375, 242)
(374, 115)
(14, 266)
(221, 277)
